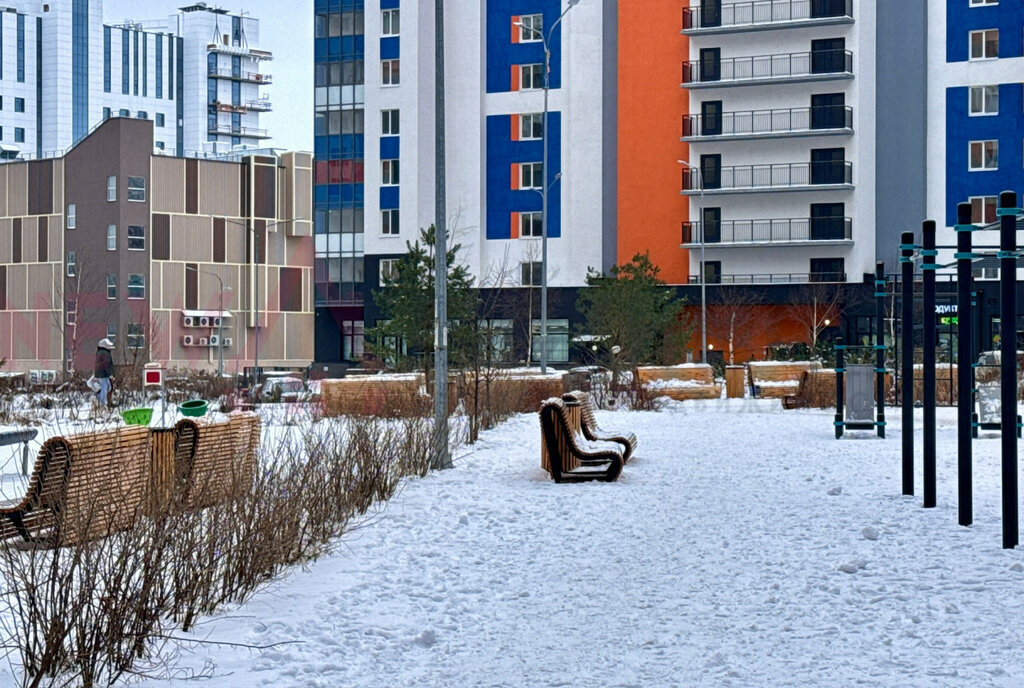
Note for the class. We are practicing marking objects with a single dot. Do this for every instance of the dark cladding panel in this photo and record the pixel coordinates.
(161, 237)
(260, 228)
(265, 190)
(191, 286)
(290, 292)
(16, 241)
(218, 240)
(191, 186)
(3, 287)
(44, 234)
(40, 187)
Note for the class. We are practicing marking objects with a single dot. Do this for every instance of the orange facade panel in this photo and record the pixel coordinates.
(650, 109)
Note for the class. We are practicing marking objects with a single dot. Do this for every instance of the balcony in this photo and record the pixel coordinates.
(259, 105)
(775, 278)
(244, 132)
(768, 124)
(713, 17)
(818, 65)
(794, 176)
(248, 77)
(240, 50)
(784, 231)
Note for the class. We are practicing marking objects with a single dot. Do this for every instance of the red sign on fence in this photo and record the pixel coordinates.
(153, 375)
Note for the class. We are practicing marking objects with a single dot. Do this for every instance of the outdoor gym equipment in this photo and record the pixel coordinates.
(854, 395)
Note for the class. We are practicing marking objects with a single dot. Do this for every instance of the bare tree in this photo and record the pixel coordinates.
(736, 315)
(816, 306)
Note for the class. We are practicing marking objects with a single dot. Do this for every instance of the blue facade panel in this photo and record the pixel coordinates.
(961, 19)
(389, 48)
(79, 69)
(502, 53)
(961, 129)
(389, 147)
(389, 4)
(502, 153)
(389, 197)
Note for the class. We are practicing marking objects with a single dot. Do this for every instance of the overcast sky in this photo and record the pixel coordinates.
(286, 29)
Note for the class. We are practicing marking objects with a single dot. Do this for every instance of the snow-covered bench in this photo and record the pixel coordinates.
(592, 431)
(572, 457)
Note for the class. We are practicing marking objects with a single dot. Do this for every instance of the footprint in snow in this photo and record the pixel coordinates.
(426, 639)
(870, 533)
(853, 566)
(833, 491)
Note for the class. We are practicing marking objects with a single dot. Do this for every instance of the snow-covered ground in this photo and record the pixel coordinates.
(744, 546)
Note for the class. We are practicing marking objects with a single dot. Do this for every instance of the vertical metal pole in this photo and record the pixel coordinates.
(880, 295)
(1008, 361)
(544, 215)
(907, 362)
(928, 267)
(220, 331)
(964, 358)
(840, 371)
(256, 267)
(442, 458)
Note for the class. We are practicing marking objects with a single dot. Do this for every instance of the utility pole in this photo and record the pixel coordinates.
(442, 458)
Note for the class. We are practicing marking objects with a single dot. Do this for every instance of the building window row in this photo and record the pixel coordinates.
(335, 24)
(984, 44)
(136, 286)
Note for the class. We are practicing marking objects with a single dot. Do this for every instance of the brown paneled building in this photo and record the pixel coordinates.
(174, 259)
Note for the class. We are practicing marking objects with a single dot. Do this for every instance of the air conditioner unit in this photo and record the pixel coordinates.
(203, 341)
(49, 375)
(228, 341)
(214, 340)
(33, 377)
(189, 321)
(187, 340)
(216, 322)
(204, 321)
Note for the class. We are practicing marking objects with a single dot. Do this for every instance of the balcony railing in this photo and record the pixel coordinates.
(228, 73)
(762, 14)
(776, 230)
(818, 64)
(246, 132)
(774, 278)
(753, 123)
(762, 177)
(240, 50)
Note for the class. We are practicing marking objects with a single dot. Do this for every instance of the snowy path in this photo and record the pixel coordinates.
(715, 561)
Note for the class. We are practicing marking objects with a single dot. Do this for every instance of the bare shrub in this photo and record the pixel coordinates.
(94, 612)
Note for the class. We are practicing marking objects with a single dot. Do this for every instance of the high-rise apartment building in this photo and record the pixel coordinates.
(196, 74)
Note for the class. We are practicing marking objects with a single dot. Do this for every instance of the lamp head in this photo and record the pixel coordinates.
(573, 3)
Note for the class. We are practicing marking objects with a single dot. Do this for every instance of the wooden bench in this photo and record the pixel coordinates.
(593, 432)
(778, 379)
(223, 464)
(572, 457)
(83, 487)
(682, 382)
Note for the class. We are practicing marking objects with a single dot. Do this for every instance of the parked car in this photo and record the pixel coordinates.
(290, 389)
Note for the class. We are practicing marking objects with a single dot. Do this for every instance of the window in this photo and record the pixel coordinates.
(19, 135)
(827, 270)
(498, 340)
(137, 189)
(71, 216)
(389, 172)
(135, 339)
(111, 188)
(111, 237)
(984, 155)
(111, 287)
(106, 113)
(72, 264)
(19, 105)
(531, 27)
(389, 123)
(388, 271)
(558, 340)
(389, 72)
(389, 221)
(531, 77)
(71, 308)
(352, 339)
(142, 114)
(123, 112)
(160, 119)
(111, 330)
(983, 209)
(982, 3)
(531, 224)
(984, 100)
(136, 286)
(532, 126)
(136, 238)
(531, 175)
(389, 23)
(531, 274)
(984, 44)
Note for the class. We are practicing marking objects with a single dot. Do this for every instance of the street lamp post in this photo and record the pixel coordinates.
(703, 270)
(220, 320)
(546, 40)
